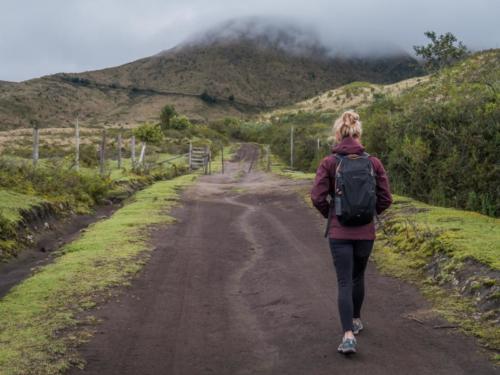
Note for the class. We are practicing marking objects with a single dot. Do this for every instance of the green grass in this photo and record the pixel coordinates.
(279, 168)
(124, 173)
(12, 203)
(39, 325)
(465, 234)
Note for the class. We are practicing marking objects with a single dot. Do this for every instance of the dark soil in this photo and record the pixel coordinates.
(243, 283)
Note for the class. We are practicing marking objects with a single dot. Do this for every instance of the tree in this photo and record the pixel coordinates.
(167, 113)
(443, 50)
(149, 133)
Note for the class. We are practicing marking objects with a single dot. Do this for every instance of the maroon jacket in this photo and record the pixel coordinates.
(324, 184)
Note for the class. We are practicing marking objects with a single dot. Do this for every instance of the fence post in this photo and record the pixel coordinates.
(190, 156)
(317, 145)
(209, 161)
(102, 153)
(132, 150)
(36, 145)
(77, 145)
(143, 152)
(119, 142)
(222, 158)
(268, 158)
(291, 147)
(206, 159)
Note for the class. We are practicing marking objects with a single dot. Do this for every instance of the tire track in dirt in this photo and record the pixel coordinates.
(243, 283)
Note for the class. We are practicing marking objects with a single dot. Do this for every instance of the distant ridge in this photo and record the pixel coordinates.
(235, 69)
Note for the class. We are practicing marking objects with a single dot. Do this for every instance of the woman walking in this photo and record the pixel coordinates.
(358, 186)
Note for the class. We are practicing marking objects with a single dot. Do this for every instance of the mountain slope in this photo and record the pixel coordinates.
(215, 76)
(352, 95)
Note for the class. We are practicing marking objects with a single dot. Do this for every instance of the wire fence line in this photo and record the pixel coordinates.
(108, 150)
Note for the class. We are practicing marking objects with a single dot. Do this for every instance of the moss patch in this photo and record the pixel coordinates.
(464, 234)
(38, 324)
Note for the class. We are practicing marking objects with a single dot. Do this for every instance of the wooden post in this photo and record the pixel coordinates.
(132, 150)
(102, 153)
(206, 159)
(119, 142)
(36, 145)
(317, 145)
(77, 145)
(143, 152)
(190, 155)
(209, 161)
(291, 147)
(268, 158)
(222, 158)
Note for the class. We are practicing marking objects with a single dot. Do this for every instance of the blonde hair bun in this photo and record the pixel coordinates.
(347, 125)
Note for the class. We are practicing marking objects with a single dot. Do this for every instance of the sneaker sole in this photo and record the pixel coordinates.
(346, 351)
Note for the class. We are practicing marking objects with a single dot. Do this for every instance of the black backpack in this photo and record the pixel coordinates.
(355, 190)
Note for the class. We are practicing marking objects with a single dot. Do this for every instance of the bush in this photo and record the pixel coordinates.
(149, 133)
(180, 123)
(207, 98)
(53, 181)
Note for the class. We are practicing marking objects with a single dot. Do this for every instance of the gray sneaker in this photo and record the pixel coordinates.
(347, 346)
(357, 326)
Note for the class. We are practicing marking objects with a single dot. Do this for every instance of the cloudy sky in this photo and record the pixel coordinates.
(43, 37)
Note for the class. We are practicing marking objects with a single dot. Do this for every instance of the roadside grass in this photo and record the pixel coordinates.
(465, 234)
(39, 324)
(53, 188)
(11, 203)
(11, 206)
(282, 169)
(56, 184)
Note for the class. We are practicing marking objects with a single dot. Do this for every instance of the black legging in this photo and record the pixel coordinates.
(350, 258)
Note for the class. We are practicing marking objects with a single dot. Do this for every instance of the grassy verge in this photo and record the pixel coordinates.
(463, 234)
(11, 206)
(279, 168)
(38, 318)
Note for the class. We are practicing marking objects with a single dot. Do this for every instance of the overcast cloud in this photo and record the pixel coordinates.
(44, 37)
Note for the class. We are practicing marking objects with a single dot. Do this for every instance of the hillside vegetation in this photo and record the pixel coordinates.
(440, 139)
(352, 95)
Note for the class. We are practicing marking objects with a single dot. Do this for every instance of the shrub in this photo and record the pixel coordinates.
(150, 133)
(167, 114)
(180, 123)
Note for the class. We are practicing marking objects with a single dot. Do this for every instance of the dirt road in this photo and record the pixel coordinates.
(243, 283)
